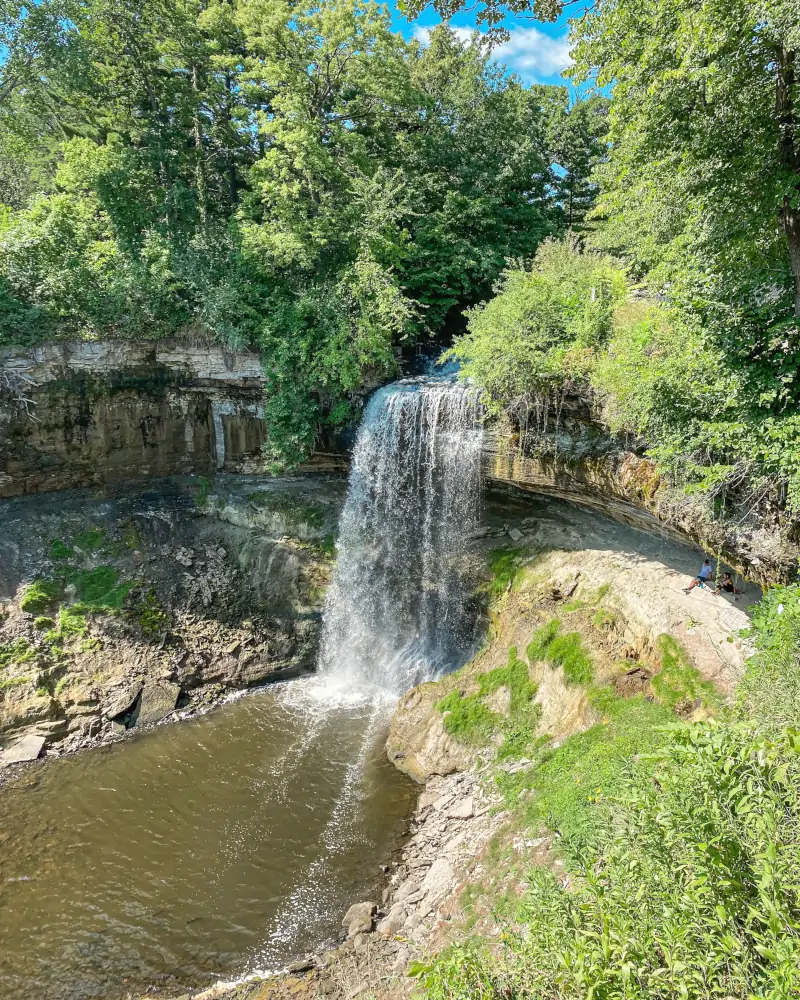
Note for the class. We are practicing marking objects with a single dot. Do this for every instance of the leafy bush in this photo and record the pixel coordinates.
(534, 333)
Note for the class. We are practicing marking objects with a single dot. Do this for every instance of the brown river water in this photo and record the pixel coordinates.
(226, 844)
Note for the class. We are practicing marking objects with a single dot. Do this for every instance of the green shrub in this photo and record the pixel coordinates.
(691, 889)
(43, 622)
(40, 596)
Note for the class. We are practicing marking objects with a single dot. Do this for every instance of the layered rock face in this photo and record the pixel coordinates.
(85, 414)
(119, 606)
(570, 454)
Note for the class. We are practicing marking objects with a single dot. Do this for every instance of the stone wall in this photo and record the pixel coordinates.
(84, 414)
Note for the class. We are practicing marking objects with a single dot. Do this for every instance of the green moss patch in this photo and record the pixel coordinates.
(151, 616)
(678, 684)
(99, 588)
(91, 540)
(469, 720)
(13, 653)
(505, 567)
(7, 683)
(59, 550)
(561, 650)
(40, 596)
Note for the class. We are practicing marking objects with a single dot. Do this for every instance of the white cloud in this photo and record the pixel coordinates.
(532, 53)
(529, 52)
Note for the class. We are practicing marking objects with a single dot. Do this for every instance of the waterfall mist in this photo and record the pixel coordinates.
(401, 606)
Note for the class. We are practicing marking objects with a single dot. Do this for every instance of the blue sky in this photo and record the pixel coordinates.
(536, 52)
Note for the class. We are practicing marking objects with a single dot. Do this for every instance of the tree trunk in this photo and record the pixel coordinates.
(789, 152)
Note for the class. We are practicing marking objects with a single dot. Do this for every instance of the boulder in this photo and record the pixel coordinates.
(157, 701)
(394, 920)
(358, 919)
(28, 748)
(122, 701)
(463, 809)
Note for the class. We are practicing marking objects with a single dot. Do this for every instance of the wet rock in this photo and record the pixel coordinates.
(515, 534)
(122, 701)
(157, 701)
(358, 919)
(28, 748)
(464, 809)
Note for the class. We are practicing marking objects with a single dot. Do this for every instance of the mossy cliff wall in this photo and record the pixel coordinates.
(85, 414)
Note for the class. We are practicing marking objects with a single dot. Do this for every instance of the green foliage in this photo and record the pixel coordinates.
(536, 334)
(90, 540)
(770, 689)
(467, 718)
(678, 684)
(18, 651)
(42, 623)
(151, 616)
(691, 890)
(470, 721)
(40, 596)
(541, 639)
(7, 683)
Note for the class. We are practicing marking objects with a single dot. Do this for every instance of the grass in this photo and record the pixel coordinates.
(43, 622)
(11, 682)
(470, 721)
(505, 567)
(678, 684)
(564, 650)
(61, 686)
(467, 719)
(588, 768)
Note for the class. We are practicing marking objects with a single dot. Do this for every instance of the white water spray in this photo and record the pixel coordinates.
(400, 607)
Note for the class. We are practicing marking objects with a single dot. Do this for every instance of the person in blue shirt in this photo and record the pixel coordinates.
(704, 576)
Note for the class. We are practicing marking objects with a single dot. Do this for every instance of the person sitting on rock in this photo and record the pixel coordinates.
(727, 584)
(703, 577)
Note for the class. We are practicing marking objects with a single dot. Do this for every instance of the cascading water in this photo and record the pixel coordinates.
(400, 608)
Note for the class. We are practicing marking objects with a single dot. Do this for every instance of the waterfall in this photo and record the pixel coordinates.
(401, 605)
